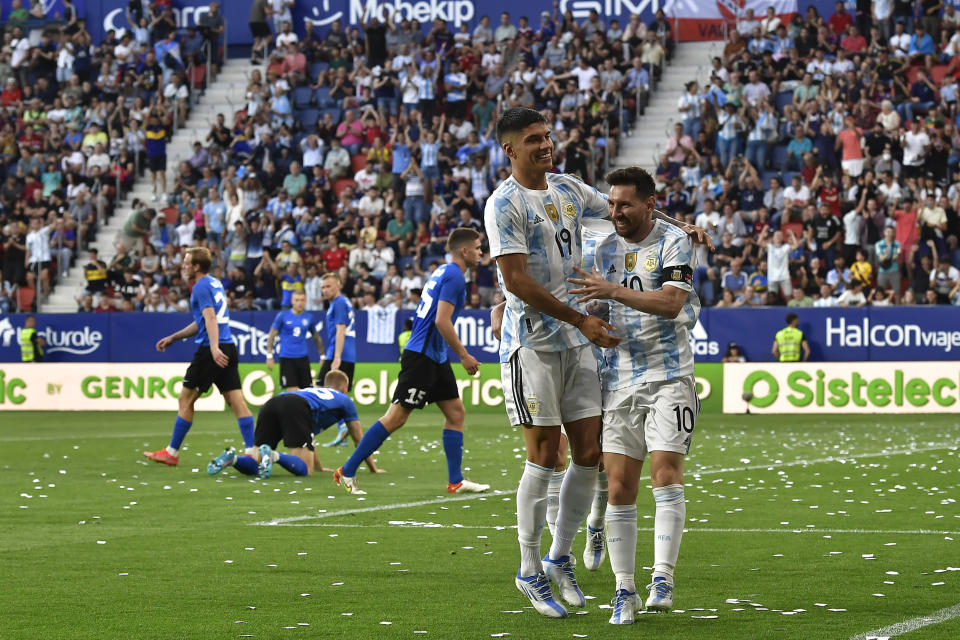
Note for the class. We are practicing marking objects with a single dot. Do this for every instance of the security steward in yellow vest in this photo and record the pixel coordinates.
(789, 341)
(31, 344)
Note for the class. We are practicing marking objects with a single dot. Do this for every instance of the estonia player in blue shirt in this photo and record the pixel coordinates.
(296, 417)
(293, 326)
(339, 333)
(215, 361)
(425, 371)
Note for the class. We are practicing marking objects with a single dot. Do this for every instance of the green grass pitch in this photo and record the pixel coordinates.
(820, 527)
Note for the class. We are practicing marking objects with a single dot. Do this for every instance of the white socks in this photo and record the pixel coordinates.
(172, 451)
(622, 543)
(576, 494)
(531, 513)
(667, 530)
(599, 507)
(553, 500)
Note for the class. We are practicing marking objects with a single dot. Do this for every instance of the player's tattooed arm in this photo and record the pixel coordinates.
(513, 268)
(666, 302)
(696, 234)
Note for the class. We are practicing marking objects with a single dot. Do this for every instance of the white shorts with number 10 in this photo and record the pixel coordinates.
(658, 416)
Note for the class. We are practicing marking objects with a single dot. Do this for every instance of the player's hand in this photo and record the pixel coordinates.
(378, 470)
(470, 364)
(592, 286)
(597, 332)
(163, 343)
(270, 363)
(697, 235)
(335, 364)
(219, 357)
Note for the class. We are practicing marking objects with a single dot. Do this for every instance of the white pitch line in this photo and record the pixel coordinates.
(912, 624)
(382, 507)
(839, 458)
(421, 503)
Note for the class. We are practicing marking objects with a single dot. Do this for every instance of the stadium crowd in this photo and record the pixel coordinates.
(78, 119)
(823, 158)
(358, 150)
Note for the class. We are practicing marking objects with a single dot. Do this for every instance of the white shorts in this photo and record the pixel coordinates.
(658, 416)
(853, 167)
(550, 388)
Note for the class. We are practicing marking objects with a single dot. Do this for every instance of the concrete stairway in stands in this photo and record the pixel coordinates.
(225, 95)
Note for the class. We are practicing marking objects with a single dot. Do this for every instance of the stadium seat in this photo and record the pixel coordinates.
(317, 67)
(937, 73)
(170, 213)
(788, 177)
(322, 97)
(26, 296)
(301, 97)
(358, 162)
(333, 111)
(778, 155)
(199, 76)
(342, 184)
(403, 262)
(765, 178)
(783, 99)
(308, 118)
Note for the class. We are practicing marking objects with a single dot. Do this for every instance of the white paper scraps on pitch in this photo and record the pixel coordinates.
(334, 535)
(123, 574)
(272, 566)
(386, 623)
(301, 553)
(346, 614)
(605, 606)
(420, 633)
(337, 584)
(582, 613)
(521, 611)
(589, 597)
(704, 617)
(579, 635)
(499, 635)
(239, 622)
(228, 562)
(303, 624)
(304, 595)
(836, 610)
(289, 627)
(251, 607)
(879, 595)
(372, 542)
(893, 573)
(101, 542)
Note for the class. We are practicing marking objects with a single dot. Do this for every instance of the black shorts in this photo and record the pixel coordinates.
(204, 372)
(260, 29)
(346, 367)
(157, 163)
(295, 372)
(285, 417)
(422, 380)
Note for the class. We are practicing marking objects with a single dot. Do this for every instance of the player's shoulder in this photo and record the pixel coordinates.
(503, 194)
(671, 233)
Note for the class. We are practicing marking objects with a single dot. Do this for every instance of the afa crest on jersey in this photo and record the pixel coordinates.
(552, 212)
(629, 261)
(651, 262)
(569, 210)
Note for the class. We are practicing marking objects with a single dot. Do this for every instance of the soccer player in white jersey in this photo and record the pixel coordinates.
(650, 401)
(549, 371)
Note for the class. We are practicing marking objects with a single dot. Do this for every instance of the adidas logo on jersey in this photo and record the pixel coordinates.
(612, 269)
(537, 219)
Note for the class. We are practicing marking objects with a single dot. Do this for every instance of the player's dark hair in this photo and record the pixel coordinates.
(515, 120)
(336, 378)
(200, 256)
(791, 317)
(461, 237)
(635, 176)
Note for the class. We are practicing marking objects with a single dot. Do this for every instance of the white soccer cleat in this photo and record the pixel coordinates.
(661, 595)
(467, 486)
(560, 571)
(595, 550)
(626, 604)
(537, 588)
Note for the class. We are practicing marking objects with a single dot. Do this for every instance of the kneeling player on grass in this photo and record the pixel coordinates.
(425, 371)
(215, 361)
(295, 417)
(649, 395)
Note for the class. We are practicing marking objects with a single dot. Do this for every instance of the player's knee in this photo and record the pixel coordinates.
(587, 454)
(666, 475)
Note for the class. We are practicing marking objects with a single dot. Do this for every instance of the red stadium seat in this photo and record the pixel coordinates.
(342, 184)
(25, 298)
(170, 213)
(358, 162)
(937, 74)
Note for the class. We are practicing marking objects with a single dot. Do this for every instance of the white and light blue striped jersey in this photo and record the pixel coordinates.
(692, 100)
(428, 154)
(545, 225)
(426, 87)
(654, 349)
(456, 86)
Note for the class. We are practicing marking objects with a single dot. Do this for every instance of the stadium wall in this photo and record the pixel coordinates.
(694, 19)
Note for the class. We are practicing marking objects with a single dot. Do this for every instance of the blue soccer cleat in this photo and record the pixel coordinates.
(560, 571)
(537, 588)
(625, 606)
(661, 595)
(266, 462)
(341, 438)
(595, 550)
(222, 461)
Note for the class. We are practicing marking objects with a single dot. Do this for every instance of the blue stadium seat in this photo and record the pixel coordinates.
(778, 156)
(308, 118)
(317, 67)
(322, 97)
(788, 177)
(783, 99)
(301, 97)
(765, 178)
(403, 262)
(333, 111)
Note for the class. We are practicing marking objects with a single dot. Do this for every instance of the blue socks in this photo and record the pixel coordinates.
(246, 430)
(180, 429)
(293, 464)
(246, 465)
(371, 441)
(453, 449)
